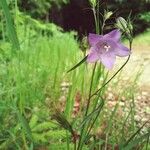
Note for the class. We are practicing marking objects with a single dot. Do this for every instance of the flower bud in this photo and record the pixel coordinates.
(125, 26)
(121, 23)
(93, 3)
(107, 14)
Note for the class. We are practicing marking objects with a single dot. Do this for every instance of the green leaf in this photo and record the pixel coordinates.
(78, 64)
(10, 26)
(129, 141)
(44, 126)
(134, 143)
(33, 121)
(25, 125)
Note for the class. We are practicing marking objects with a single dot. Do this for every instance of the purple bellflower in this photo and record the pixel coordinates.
(106, 47)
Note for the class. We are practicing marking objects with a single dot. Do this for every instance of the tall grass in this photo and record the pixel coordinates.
(31, 75)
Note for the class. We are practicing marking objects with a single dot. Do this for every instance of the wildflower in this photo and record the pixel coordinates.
(106, 47)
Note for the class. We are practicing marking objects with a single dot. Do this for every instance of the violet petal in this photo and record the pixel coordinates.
(94, 38)
(115, 35)
(121, 50)
(92, 57)
(108, 60)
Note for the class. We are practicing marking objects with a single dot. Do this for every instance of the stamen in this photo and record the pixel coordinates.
(106, 47)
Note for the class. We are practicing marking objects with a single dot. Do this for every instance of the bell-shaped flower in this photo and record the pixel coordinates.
(105, 48)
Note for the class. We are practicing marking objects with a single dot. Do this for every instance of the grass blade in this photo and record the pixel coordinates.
(10, 26)
(25, 125)
(78, 64)
(136, 141)
(133, 136)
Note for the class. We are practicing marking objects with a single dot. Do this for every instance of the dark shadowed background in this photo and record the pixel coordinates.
(77, 15)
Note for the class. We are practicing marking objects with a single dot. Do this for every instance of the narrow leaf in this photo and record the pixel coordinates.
(10, 26)
(134, 135)
(136, 141)
(25, 125)
(78, 64)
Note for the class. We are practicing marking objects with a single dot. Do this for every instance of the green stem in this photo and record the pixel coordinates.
(87, 108)
(89, 98)
(90, 128)
(75, 145)
(67, 140)
(98, 19)
(90, 91)
(147, 143)
(103, 25)
(98, 109)
(95, 19)
(24, 141)
(105, 76)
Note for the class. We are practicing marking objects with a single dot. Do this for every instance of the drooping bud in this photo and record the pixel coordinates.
(125, 26)
(121, 23)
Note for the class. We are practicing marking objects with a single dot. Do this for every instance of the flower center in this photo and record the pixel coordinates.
(106, 47)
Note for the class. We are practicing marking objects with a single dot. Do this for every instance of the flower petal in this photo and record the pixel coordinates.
(92, 57)
(94, 38)
(115, 35)
(122, 51)
(108, 60)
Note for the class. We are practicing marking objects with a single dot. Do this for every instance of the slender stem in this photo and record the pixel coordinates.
(106, 141)
(105, 79)
(95, 19)
(98, 18)
(75, 145)
(99, 107)
(67, 141)
(88, 104)
(94, 13)
(24, 141)
(90, 91)
(103, 25)
(147, 143)
(89, 98)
